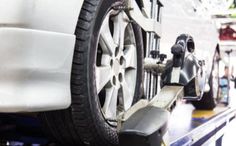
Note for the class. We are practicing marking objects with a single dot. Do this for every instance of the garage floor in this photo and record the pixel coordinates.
(185, 118)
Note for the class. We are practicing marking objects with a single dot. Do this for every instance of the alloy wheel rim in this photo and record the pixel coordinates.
(116, 65)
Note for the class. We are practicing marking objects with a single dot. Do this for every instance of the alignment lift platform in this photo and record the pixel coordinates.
(186, 127)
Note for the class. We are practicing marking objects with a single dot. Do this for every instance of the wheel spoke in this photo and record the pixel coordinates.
(105, 61)
(103, 75)
(130, 78)
(130, 56)
(127, 96)
(106, 40)
(120, 24)
(110, 105)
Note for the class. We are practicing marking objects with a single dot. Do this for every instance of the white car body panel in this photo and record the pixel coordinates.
(35, 70)
(36, 50)
(49, 15)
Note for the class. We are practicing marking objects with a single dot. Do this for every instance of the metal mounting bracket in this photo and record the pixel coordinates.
(147, 24)
(145, 123)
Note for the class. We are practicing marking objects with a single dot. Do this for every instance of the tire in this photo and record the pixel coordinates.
(86, 121)
(208, 100)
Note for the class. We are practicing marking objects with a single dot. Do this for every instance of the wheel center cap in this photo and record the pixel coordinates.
(116, 67)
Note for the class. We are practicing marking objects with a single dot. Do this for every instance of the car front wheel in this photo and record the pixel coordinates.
(106, 76)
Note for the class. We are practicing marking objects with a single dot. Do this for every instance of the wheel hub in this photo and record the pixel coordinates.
(117, 67)
(118, 71)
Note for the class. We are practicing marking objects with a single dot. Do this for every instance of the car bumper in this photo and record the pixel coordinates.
(35, 69)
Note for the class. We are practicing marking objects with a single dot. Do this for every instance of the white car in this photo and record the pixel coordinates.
(80, 62)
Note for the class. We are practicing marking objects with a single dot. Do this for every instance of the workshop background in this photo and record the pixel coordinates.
(226, 23)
